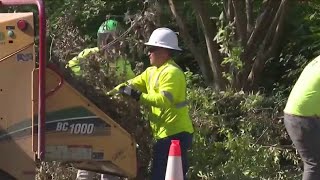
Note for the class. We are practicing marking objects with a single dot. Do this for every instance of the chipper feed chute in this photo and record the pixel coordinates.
(43, 118)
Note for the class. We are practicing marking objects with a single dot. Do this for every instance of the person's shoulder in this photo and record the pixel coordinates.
(88, 51)
(314, 63)
(174, 68)
(151, 68)
(94, 49)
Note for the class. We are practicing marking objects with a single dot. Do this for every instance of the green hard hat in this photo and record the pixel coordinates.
(109, 25)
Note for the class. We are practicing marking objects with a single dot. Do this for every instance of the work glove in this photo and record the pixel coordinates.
(115, 90)
(129, 91)
(112, 92)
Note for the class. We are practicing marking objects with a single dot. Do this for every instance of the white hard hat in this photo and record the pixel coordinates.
(164, 37)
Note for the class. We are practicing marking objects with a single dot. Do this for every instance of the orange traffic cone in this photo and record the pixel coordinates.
(174, 165)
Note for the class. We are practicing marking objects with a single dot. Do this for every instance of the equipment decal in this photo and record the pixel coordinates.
(84, 125)
(75, 128)
(24, 57)
(74, 121)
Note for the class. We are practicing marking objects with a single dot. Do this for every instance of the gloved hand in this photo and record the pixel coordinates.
(111, 93)
(115, 90)
(129, 91)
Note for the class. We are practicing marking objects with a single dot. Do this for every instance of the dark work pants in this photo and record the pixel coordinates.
(161, 151)
(305, 135)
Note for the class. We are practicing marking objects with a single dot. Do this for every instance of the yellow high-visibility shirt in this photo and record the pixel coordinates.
(164, 90)
(305, 96)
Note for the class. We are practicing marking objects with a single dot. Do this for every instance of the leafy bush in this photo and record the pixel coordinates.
(239, 136)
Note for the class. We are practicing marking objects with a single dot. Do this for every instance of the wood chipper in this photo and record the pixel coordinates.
(42, 117)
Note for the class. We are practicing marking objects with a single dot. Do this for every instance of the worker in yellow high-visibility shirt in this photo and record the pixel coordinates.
(106, 34)
(163, 88)
(120, 65)
(302, 118)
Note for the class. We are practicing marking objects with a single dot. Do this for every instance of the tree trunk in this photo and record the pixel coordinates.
(249, 12)
(209, 29)
(270, 44)
(241, 20)
(258, 39)
(202, 61)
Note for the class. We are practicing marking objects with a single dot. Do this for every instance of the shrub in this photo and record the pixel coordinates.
(239, 136)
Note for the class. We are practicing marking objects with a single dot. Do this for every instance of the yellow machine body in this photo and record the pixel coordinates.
(76, 130)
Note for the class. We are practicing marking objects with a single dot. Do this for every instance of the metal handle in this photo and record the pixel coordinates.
(56, 70)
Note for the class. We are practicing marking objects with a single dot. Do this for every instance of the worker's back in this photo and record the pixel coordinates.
(304, 97)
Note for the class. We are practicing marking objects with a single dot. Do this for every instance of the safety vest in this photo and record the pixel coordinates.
(305, 96)
(164, 89)
(122, 66)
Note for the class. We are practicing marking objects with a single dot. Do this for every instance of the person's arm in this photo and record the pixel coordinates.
(138, 83)
(83, 54)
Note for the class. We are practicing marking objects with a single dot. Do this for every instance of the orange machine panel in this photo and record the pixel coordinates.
(16, 33)
(17, 62)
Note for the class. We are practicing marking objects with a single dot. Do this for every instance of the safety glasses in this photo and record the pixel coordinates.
(153, 49)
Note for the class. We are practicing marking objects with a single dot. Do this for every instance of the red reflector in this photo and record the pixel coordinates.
(22, 24)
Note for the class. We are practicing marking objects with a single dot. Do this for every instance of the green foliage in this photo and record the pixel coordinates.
(302, 46)
(239, 136)
(88, 15)
(230, 49)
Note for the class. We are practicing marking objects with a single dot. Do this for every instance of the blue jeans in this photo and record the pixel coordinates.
(304, 133)
(161, 151)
